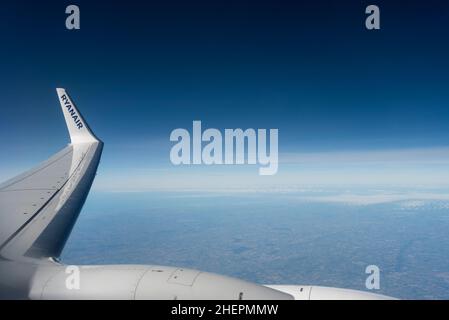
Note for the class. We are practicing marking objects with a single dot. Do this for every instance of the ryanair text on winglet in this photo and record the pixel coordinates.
(71, 111)
(234, 139)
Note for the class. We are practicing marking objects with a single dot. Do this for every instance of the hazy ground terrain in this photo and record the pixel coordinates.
(314, 236)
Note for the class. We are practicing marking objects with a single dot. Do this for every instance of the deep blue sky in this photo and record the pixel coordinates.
(138, 70)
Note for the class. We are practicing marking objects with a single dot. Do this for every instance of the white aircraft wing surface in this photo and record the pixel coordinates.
(39, 207)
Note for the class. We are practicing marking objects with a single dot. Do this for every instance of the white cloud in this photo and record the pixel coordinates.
(435, 155)
(408, 200)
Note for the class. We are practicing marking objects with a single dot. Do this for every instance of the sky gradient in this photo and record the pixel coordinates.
(351, 105)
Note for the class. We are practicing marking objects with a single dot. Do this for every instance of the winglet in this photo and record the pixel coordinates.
(78, 128)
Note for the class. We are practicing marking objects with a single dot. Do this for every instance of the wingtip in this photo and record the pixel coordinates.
(78, 128)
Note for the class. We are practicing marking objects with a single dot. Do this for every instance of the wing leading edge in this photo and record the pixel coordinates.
(39, 207)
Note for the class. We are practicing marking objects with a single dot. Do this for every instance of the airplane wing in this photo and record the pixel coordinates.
(39, 207)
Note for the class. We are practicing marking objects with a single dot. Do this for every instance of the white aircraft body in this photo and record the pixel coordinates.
(38, 210)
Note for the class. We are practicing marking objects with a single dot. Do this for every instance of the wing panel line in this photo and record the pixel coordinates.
(34, 172)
